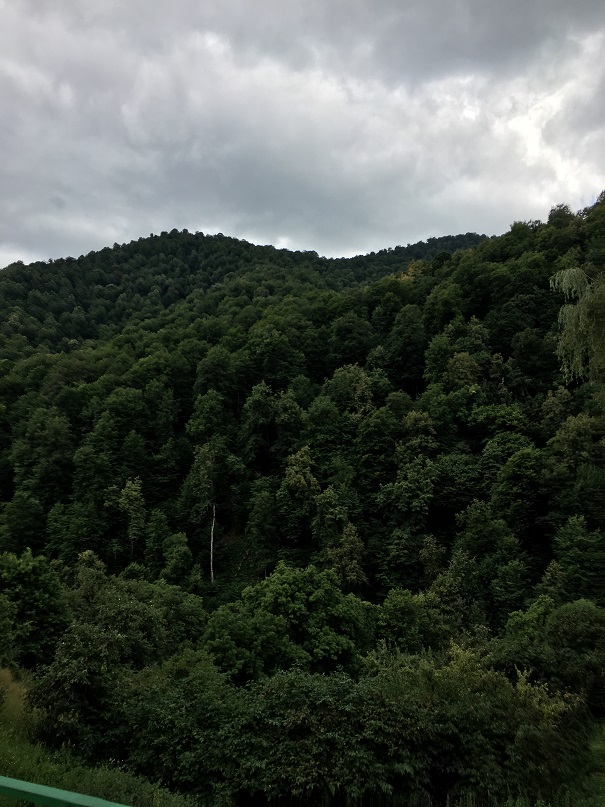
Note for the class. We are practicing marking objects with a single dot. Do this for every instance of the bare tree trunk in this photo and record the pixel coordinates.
(212, 544)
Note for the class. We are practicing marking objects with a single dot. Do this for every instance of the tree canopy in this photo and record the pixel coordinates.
(281, 527)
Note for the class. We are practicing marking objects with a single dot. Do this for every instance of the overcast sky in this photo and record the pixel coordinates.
(342, 126)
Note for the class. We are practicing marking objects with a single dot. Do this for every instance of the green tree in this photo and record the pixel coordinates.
(157, 531)
(296, 497)
(404, 349)
(7, 631)
(336, 743)
(444, 303)
(469, 730)
(132, 504)
(351, 340)
(42, 457)
(173, 721)
(412, 623)
(178, 559)
(411, 493)
(581, 557)
(120, 625)
(211, 493)
(294, 617)
(38, 603)
(346, 558)
(351, 390)
(331, 515)
(581, 345)
(563, 646)
(258, 431)
(516, 496)
(74, 528)
(22, 523)
(210, 415)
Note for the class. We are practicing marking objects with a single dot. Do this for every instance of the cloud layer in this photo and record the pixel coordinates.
(337, 126)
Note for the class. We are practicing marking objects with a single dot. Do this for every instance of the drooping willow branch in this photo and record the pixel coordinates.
(581, 346)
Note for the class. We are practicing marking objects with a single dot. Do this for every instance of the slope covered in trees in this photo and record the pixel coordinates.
(282, 527)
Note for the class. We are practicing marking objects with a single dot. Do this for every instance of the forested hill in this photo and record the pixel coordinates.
(94, 296)
(280, 526)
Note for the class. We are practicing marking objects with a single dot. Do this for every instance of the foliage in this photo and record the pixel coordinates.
(581, 346)
(22, 759)
(34, 602)
(293, 618)
(371, 469)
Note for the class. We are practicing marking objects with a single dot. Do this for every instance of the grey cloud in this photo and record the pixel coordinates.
(340, 127)
(387, 39)
(585, 111)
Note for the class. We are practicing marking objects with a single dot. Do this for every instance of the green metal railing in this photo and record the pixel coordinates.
(49, 796)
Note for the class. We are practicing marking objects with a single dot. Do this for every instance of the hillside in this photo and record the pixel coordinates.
(276, 526)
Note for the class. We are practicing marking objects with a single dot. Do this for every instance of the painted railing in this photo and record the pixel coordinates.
(49, 796)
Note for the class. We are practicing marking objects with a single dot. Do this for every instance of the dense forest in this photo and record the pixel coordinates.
(282, 529)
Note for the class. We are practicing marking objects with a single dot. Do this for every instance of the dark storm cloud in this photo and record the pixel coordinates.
(381, 38)
(336, 126)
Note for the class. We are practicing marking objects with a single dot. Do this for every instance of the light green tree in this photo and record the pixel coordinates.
(132, 505)
(581, 345)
